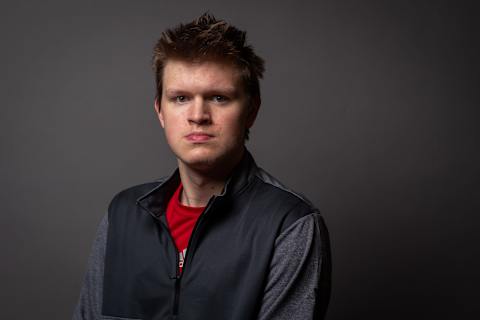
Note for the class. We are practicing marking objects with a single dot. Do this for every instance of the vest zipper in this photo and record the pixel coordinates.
(177, 272)
(176, 277)
(176, 296)
(179, 275)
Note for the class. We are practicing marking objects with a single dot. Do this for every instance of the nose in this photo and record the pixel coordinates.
(199, 112)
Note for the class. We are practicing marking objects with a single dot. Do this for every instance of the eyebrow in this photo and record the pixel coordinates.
(230, 91)
(174, 92)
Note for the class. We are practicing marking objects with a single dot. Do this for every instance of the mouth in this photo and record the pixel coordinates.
(198, 137)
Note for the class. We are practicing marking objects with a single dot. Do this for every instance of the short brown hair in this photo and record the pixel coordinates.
(208, 38)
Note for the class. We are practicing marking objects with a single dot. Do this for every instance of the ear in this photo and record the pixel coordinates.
(158, 111)
(253, 111)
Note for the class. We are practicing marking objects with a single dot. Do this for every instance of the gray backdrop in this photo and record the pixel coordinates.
(369, 109)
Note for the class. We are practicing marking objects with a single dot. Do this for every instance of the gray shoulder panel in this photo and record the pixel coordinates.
(89, 306)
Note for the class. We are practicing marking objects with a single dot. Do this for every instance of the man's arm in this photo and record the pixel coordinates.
(89, 306)
(298, 284)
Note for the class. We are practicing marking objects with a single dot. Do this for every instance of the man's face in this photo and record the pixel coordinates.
(204, 113)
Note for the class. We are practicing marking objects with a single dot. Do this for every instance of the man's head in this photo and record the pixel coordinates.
(209, 39)
(208, 91)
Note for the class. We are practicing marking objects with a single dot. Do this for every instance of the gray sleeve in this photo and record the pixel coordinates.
(298, 283)
(89, 306)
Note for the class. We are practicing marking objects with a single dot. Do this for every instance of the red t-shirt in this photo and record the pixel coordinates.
(180, 220)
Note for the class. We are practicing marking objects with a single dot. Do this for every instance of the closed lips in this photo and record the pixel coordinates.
(199, 136)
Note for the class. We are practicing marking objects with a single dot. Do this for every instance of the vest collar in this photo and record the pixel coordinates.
(156, 200)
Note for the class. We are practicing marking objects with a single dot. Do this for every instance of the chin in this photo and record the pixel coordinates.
(207, 157)
(200, 159)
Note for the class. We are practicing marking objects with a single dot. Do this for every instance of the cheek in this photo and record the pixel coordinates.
(234, 124)
(172, 127)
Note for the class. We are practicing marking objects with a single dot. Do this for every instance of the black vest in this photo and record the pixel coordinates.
(228, 255)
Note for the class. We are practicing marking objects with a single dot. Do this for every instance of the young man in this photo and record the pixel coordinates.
(219, 238)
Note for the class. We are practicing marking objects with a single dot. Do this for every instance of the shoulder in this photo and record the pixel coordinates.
(281, 198)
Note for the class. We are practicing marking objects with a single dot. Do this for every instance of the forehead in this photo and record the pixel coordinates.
(201, 75)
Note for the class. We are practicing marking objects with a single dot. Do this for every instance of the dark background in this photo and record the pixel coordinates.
(370, 108)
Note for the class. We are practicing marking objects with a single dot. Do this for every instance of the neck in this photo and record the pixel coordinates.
(200, 185)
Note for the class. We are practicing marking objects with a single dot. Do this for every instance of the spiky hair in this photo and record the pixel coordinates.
(208, 38)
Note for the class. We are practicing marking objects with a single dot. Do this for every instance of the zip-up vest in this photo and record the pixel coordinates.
(228, 255)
